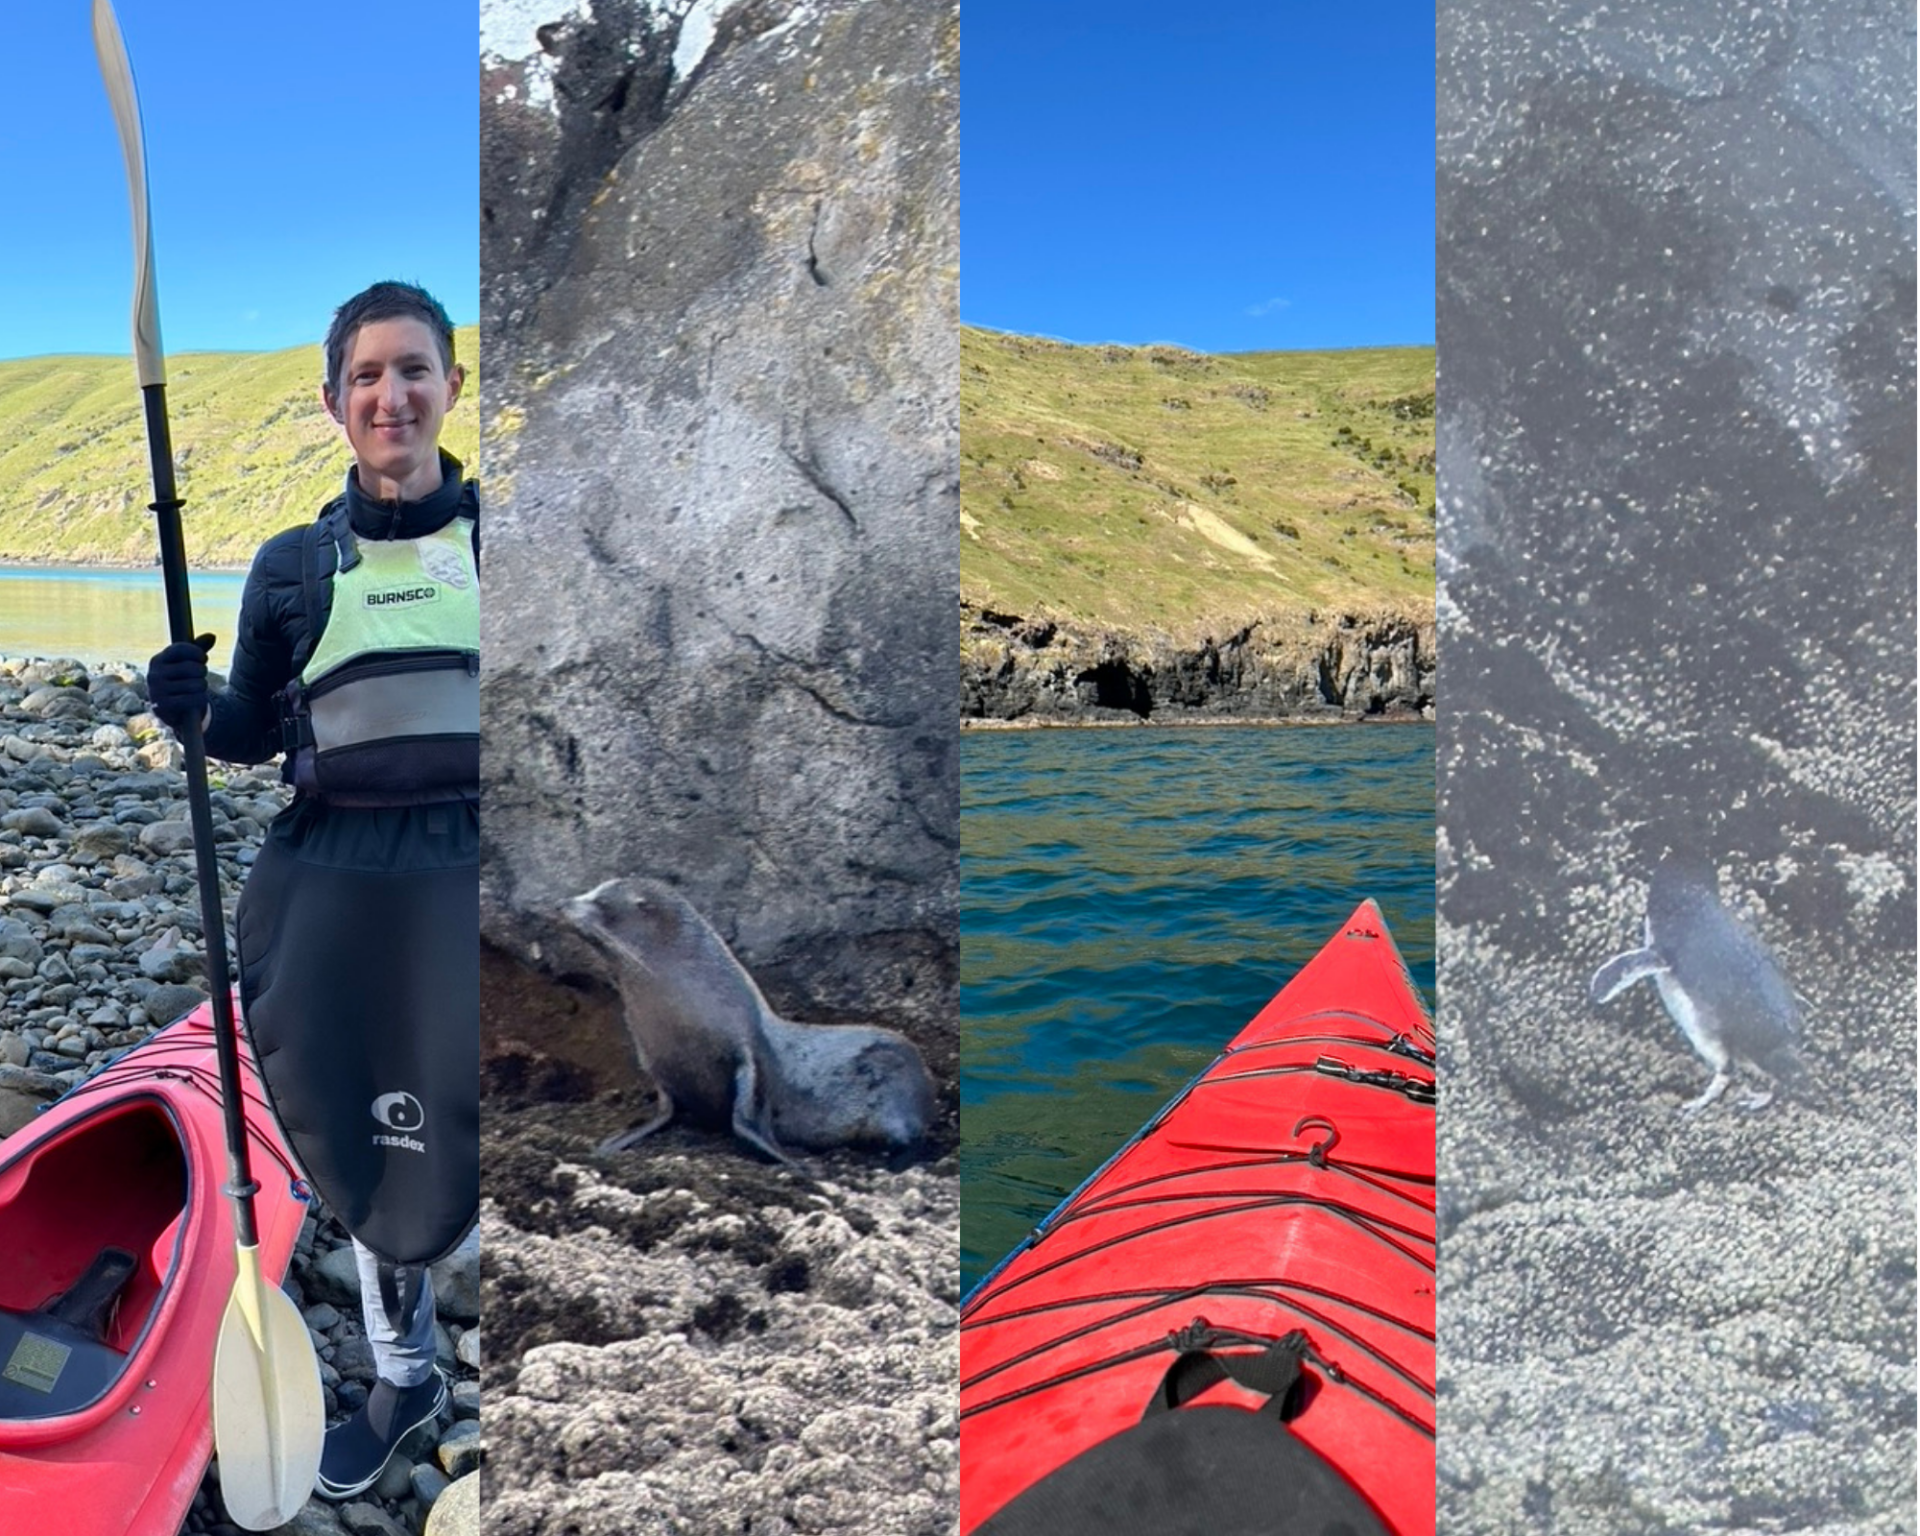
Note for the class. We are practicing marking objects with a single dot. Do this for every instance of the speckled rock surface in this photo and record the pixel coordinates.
(1676, 453)
(683, 1339)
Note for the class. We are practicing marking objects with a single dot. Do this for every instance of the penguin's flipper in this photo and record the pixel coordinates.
(1623, 971)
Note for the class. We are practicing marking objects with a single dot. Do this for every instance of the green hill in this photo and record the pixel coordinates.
(1137, 488)
(254, 452)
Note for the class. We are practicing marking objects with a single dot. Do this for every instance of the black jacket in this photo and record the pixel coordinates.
(245, 724)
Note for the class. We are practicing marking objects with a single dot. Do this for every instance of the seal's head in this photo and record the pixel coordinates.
(634, 915)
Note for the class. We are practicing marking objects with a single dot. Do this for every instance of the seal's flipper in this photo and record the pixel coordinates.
(752, 1113)
(644, 1129)
(1623, 971)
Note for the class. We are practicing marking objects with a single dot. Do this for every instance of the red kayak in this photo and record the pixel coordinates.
(1276, 1216)
(116, 1262)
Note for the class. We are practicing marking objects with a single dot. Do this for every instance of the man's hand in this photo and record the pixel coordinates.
(177, 682)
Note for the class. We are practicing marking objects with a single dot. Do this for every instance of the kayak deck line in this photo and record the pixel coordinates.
(1335, 1373)
(1266, 1289)
(1058, 1216)
(1243, 1204)
(1366, 1220)
(1262, 1287)
(161, 1056)
(1269, 1289)
(1283, 1199)
(1397, 1040)
(1378, 1178)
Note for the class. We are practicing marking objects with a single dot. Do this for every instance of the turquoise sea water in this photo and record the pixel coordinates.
(103, 615)
(1129, 899)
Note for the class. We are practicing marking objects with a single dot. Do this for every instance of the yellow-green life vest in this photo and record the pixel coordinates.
(386, 710)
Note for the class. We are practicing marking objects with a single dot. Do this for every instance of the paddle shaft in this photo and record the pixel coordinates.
(150, 364)
(226, 1039)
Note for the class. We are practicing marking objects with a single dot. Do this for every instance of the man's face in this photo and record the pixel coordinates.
(393, 395)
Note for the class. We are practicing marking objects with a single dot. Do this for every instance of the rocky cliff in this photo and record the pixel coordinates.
(1307, 666)
(721, 246)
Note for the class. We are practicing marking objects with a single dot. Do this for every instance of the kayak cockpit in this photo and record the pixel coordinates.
(91, 1221)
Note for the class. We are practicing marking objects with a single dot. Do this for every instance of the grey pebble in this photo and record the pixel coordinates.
(459, 1450)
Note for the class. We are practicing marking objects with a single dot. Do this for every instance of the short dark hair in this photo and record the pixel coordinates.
(385, 301)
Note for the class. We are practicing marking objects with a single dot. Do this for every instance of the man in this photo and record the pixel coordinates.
(358, 931)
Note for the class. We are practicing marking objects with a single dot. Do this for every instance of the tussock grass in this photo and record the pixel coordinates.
(254, 452)
(1136, 487)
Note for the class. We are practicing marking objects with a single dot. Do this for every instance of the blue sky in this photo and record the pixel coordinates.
(1228, 175)
(295, 153)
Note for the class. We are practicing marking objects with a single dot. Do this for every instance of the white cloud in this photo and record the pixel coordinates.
(1268, 307)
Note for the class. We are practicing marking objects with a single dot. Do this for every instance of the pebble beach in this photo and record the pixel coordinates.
(101, 945)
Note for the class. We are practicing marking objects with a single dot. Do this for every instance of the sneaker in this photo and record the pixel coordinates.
(358, 1451)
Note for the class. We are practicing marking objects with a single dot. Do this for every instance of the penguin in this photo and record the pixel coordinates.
(1719, 983)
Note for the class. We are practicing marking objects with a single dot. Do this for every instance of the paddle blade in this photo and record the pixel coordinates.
(269, 1423)
(117, 73)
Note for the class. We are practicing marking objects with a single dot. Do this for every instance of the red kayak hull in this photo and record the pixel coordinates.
(1220, 1209)
(134, 1159)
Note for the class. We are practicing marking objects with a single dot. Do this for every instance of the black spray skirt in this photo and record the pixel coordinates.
(359, 950)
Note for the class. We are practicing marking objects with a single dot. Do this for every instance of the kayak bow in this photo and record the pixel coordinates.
(1289, 1187)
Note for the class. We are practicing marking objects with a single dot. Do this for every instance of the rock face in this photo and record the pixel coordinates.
(722, 483)
(1335, 666)
(1676, 454)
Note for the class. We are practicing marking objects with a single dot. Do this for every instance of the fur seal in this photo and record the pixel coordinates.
(722, 1058)
(1719, 983)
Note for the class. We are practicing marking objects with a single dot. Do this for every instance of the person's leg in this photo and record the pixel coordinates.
(402, 1344)
(398, 1307)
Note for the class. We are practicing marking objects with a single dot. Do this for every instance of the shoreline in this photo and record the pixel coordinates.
(30, 566)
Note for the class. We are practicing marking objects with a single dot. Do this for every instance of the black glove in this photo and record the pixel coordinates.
(177, 681)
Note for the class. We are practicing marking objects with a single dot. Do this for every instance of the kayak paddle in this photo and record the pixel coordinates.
(268, 1420)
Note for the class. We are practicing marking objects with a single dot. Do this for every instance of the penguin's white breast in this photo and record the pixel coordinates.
(1681, 1008)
